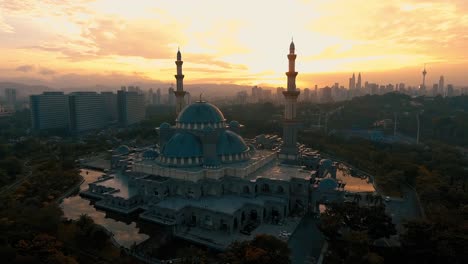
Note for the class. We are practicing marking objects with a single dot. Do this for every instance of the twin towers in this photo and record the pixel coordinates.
(289, 149)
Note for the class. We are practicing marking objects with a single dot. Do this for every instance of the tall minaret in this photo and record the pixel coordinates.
(289, 150)
(179, 92)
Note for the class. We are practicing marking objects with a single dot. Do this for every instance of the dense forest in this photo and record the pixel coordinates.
(36, 170)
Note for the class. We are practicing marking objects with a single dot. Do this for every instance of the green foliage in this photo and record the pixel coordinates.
(263, 249)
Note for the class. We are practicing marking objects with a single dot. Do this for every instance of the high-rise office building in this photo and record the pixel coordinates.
(359, 84)
(450, 90)
(306, 95)
(352, 82)
(435, 89)
(326, 95)
(131, 107)
(279, 94)
(157, 97)
(86, 111)
(49, 110)
(150, 97)
(10, 97)
(170, 96)
(110, 106)
(441, 86)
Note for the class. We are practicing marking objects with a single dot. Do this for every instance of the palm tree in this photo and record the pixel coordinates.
(84, 221)
(378, 199)
(357, 198)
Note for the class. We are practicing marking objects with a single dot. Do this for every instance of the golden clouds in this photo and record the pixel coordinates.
(242, 41)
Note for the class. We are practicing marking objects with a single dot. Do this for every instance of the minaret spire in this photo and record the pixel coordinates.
(289, 150)
(179, 92)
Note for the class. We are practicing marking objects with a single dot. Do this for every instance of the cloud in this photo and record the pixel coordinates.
(4, 26)
(25, 68)
(142, 38)
(45, 71)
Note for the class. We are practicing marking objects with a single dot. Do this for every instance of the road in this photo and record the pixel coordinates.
(407, 208)
(306, 242)
(11, 187)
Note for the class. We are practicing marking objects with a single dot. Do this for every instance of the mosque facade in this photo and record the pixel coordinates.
(203, 175)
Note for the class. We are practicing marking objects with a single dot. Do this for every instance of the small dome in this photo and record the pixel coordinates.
(326, 163)
(122, 150)
(183, 145)
(234, 124)
(230, 143)
(201, 112)
(150, 154)
(164, 126)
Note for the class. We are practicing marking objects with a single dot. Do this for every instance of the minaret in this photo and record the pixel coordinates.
(289, 150)
(179, 92)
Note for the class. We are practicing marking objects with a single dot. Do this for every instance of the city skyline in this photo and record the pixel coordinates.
(82, 43)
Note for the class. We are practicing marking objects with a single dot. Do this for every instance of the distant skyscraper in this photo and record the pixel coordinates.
(150, 97)
(188, 99)
(131, 107)
(450, 90)
(257, 94)
(352, 82)
(326, 95)
(179, 93)
(241, 97)
(279, 94)
(307, 95)
(358, 84)
(170, 96)
(49, 110)
(435, 89)
(441, 86)
(10, 97)
(110, 106)
(86, 111)
(289, 150)
(157, 97)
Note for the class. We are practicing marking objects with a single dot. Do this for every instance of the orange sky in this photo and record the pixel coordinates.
(75, 42)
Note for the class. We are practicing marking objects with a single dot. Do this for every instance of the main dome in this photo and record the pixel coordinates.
(201, 113)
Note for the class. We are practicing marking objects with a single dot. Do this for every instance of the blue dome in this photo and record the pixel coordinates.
(234, 124)
(201, 112)
(164, 126)
(183, 145)
(123, 150)
(150, 154)
(230, 143)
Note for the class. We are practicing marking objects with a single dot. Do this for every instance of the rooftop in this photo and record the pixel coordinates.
(119, 182)
(227, 204)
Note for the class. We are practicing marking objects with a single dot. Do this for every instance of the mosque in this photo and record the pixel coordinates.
(208, 183)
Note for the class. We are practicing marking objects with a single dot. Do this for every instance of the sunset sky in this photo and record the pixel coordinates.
(111, 42)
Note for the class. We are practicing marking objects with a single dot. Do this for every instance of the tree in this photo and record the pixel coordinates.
(263, 249)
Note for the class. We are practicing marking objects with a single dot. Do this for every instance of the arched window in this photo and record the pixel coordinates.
(246, 189)
(266, 188)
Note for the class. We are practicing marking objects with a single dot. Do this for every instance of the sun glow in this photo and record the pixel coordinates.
(245, 42)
